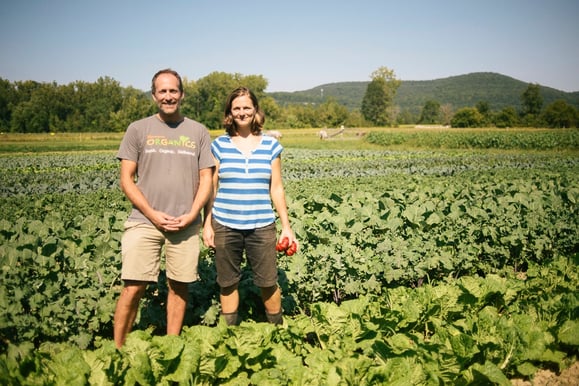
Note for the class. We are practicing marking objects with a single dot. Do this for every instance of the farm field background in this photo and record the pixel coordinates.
(428, 256)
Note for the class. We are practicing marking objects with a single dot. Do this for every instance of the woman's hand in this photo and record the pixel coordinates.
(208, 236)
(292, 242)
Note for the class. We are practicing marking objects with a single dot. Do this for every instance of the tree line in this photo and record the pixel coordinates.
(557, 114)
(106, 106)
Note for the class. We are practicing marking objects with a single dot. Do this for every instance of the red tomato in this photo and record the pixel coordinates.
(292, 249)
(282, 245)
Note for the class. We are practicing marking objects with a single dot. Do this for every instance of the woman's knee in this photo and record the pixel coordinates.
(268, 292)
(229, 289)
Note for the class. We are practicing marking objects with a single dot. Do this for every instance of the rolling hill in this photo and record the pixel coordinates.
(497, 90)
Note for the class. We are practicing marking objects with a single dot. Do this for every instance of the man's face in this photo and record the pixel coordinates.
(167, 94)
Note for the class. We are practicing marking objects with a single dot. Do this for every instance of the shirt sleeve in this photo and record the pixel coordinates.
(276, 150)
(205, 158)
(129, 147)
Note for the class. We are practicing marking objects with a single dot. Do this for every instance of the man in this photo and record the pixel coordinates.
(166, 173)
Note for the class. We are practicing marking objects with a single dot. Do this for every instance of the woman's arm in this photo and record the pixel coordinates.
(208, 234)
(277, 193)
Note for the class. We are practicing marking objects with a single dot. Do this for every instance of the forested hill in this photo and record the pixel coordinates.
(497, 90)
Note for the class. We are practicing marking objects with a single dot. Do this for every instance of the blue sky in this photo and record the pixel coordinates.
(295, 45)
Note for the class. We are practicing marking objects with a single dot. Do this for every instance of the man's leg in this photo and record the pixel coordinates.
(126, 310)
(181, 264)
(176, 305)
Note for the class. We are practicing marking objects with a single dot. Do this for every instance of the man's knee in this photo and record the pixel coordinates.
(178, 287)
(134, 289)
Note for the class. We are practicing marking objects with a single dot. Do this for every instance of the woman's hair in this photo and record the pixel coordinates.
(258, 117)
(166, 71)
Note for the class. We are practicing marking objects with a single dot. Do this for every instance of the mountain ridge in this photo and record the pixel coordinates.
(498, 90)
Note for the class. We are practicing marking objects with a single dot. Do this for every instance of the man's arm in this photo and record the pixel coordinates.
(129, 187)
(128, 172)
(204, 192)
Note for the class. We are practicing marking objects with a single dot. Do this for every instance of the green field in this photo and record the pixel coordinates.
(428, 256)
(405, 138)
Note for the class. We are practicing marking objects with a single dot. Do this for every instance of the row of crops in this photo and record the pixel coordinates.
(416, 267)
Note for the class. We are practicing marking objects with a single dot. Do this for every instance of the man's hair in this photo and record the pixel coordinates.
(166, 71)
(258, 118)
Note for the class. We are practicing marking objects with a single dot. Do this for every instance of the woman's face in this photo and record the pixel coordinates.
(243, 111)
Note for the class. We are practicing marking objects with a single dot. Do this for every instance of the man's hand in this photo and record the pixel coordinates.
(165, 222)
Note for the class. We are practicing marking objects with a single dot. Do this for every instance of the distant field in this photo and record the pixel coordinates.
(49, 142)
(350, 139)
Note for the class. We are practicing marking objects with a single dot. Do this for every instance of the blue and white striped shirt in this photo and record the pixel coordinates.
(243, 198)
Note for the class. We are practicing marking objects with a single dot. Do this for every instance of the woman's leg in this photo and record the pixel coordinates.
(229, 297)
(272, 301)
(229, 247)
(261, 254)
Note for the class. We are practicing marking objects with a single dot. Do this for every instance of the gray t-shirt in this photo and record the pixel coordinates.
(168, 157)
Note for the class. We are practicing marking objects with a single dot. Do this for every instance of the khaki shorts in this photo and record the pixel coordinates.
(142, 248)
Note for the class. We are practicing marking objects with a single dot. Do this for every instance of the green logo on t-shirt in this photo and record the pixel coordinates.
(161, 140)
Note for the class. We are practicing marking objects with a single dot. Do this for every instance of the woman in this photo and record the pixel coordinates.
(240, 217)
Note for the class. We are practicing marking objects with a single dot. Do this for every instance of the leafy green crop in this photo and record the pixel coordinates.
(481, 139)
(465, 331)
(426, 229)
